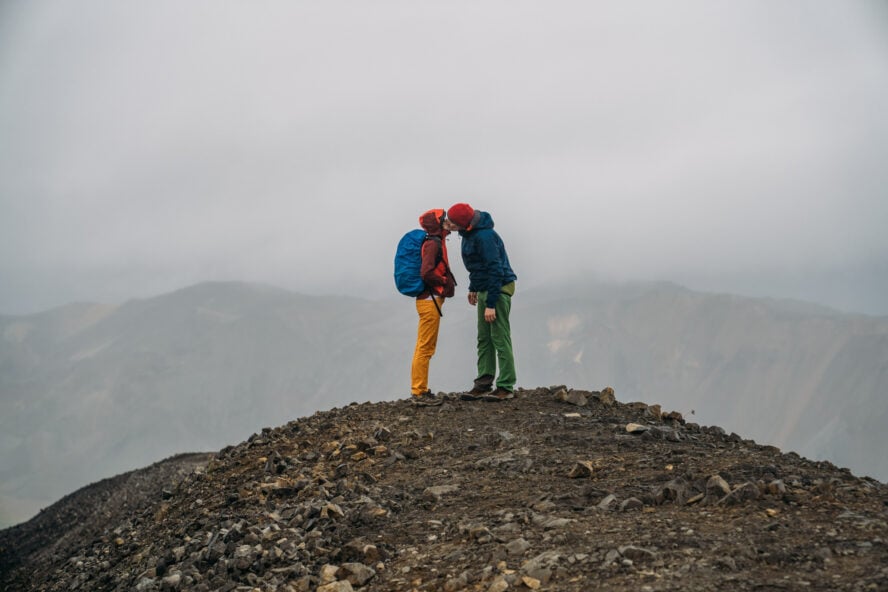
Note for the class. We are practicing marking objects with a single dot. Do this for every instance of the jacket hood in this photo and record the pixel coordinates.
(431, 222)
(481, 221)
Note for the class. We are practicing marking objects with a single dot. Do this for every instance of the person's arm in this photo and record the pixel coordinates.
(493, 270)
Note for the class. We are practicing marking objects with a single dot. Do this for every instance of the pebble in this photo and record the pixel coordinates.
(607, 502)
(632, 503)
(434, 494)
(517, 547)
(342, 586)
(457, 583)
(173, 582)
(636, 554)
(328, 573)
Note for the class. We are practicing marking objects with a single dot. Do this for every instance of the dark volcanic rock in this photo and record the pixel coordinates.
(527, 494)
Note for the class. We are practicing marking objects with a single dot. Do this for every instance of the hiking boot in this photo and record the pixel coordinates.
(500, 394)
(427, 399)
(476, 393)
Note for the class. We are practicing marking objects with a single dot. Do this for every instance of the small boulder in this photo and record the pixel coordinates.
(777, 487)
(572, 397)
(356, 574)
(173, 582)
(607, 502)
(606, 397)
(636, 554)
(743, 493)
(457, 583)
(583, 469)
(673, 416)
(636, 428)
(633, 503)
(717, 486)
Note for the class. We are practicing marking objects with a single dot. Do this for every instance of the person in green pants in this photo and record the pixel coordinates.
(491, 287)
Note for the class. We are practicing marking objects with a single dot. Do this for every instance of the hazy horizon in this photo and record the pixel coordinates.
(585, 285)
(730, 148)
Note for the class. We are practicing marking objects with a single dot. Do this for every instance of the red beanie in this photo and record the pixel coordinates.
(461, 214)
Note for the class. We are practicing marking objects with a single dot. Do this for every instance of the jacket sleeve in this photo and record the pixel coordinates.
(493, 268)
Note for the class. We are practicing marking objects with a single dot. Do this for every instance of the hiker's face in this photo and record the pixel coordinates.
(448, 225)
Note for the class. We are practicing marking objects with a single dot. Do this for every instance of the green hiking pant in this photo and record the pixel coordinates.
(495, 343)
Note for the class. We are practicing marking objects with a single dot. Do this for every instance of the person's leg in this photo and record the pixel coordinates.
(501, 337)
(426, 342)
(486, 349)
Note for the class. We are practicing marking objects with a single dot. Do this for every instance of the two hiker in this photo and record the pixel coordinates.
(491, 286)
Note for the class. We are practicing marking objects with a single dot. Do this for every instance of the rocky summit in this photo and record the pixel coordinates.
(556, 489)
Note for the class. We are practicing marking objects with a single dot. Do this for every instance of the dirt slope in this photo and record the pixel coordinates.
(535, 493)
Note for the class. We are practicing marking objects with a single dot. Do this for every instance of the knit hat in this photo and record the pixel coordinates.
(432, 221)
(461, 214)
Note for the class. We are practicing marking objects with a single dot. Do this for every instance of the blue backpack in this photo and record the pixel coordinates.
(408, 260)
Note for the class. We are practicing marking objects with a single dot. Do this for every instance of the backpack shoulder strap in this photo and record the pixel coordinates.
(440, 256)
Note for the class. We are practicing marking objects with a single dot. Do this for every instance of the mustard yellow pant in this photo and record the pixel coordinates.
(426, 342)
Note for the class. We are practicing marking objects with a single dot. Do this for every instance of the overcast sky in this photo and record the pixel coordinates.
(727, 146)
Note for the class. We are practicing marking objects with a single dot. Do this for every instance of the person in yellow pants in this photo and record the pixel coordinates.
(440, 284)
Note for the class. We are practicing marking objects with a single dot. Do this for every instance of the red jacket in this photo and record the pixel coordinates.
(435, 271)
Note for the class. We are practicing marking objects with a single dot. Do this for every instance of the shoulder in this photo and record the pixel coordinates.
(485, 235)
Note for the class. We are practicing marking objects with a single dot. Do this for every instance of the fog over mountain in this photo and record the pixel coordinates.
(88, 391)
(733, 147)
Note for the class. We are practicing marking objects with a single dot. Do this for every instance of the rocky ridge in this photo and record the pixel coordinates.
(557, 489)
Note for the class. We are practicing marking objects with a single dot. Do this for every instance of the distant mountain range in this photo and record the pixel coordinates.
(792, 374)
(88, 391)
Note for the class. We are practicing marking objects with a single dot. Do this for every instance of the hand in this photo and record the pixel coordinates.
(489, 314)
(473, 298)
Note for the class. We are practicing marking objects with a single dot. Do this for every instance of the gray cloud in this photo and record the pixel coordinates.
(732, 147)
